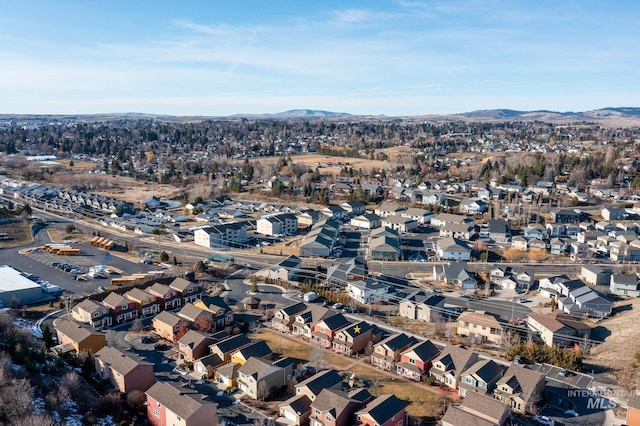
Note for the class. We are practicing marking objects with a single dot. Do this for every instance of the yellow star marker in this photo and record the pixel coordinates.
(356, 329)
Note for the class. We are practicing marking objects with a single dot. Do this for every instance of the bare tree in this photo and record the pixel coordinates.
(318, 357)
(586, 345)
(368, 350)
(441, 326)
(204, 323)
(507, 341)
(254, 329)
(263, 390)
(137, 326)
(136, 399)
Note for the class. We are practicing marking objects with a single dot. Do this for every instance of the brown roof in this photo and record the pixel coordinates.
(115, 300)
(137, 294)
(89, 305)
(456, 358)
(458, 417)
(73, 330)
(160, 289)
(180, 284)
(183, 402)
(190, 312)
(119, 361)
(558, 320)
(332, 401)
(168, 318)
(193, 338)
(480, 318)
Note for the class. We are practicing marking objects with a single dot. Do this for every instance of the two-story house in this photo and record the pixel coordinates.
(305, 320)
(78, 337)
(187, 290)
(324, 331)
(92, 313)
(558, 328)
(449, 365)
(259, 378)
(354, 338)
(198, 317)
(520, 388)
(284, 318)
(478, 410)
(227, 347)
(480, 325)
(387, 352)
(167, 296)
(385, 410)
(222, 313)
(335, 407)
(368, 291)
(258, 349)
(422, 306)
(125, 371)
(171, 404)
(297, 409)
(481, 377)
(121, 308)
(194, 344)
(146, 302)
(415, 361)
(169, 325)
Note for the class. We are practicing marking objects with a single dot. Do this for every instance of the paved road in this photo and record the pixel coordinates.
(238, 290)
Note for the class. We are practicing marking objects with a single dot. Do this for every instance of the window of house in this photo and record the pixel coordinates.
(125, 306)
(328, 417)
(156, 413)
(412, 361)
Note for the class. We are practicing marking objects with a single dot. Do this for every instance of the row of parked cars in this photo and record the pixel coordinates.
(66, 267)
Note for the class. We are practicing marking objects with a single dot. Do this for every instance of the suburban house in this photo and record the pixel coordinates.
(385, 410)
(320, 240)
(455, 273)
(387, 352)
(122, 309)
(384, 244)
(92, 313)
(168, 325)
(227, 347)
(222, 313)
(286, 270)
(259, 378)
(196, 316)
(324, 331)
(284, 318)
(224, 374)
(297, 409)
(74, 336)
(170, 404)
(400, 223)
(520, 243)
(452, 249)
(480, 325)
(536, 231)
(277, 224)
(585, 301)
(499, 231)
(193, 345)
(189, 291)
(422, 306)
(460, 231)
(558, 328)
(481, 377)
(624, 285)
(415, 361)
(442, 219)
(334, 212)
(447, 368)
(167, 296)
(335, 407)
(477, 410)
(353, 339)
(421, 216)
(366, 221)
(354, 207)
(520, 388)
(355, 269)
(388, 209)
(472, 206)
(368, 290)
(595, 274)
(258, 349)
(124, 371)
(146, 302)
(565, 216)
(304, 321)
(224, 234)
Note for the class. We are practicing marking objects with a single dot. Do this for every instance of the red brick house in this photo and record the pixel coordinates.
(194, 345)
(125, 371)
(170, 404)
(387, 353)
(323, 332)
(187, 290)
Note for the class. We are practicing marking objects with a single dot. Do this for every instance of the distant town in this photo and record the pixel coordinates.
(323, 270)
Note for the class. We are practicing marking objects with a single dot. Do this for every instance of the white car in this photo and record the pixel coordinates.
(544, 420)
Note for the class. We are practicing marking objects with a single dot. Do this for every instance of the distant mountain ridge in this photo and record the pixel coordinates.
(614, 115)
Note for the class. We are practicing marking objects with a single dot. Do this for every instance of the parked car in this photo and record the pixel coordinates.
(523, 300)
(147, 261)
(337, 306)
(544, 420)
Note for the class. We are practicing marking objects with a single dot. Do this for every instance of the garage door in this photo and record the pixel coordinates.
(290, 415)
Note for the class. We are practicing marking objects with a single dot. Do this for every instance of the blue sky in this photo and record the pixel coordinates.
(363, 57)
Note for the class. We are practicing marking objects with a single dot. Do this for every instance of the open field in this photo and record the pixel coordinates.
(331, 164)
(14, 234)
(421, 401)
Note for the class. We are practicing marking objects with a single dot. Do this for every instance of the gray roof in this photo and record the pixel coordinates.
(322, 380)
(180, 284)
(73, 330)
(183, 402)
(190, 312)
(119, 361)
(383, 408)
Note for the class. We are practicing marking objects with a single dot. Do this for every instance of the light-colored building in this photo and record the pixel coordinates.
(480, 325)
(277, 224)
(74, 336)
(93, 313)
(220, 235)
(558, 328)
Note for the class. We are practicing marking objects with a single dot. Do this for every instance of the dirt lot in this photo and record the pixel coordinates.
(621, 339)
(333, 165)
(14, 234)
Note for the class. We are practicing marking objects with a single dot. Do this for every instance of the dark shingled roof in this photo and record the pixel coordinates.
(322, 380)
(383, 408)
